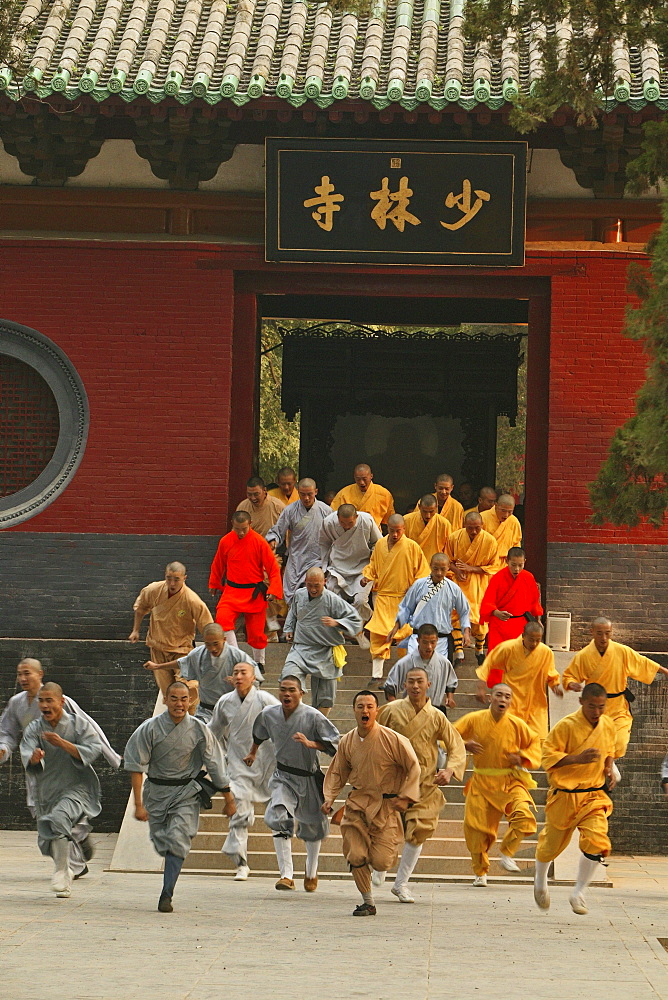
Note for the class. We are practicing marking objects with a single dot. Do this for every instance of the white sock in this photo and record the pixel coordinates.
(377, 666)
(368, 898)
(312, 854)
(586, 871)
(258, 655)
(540, 878)
(283, 848)
(409, 859)
(231, 637)
(60, 850)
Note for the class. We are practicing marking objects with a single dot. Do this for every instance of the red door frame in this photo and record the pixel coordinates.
(293, 280)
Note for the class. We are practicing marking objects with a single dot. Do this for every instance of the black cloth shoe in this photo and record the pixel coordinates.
(364, 910)
(87, 849)
(480, 658)
(165, 903)
(81, 873)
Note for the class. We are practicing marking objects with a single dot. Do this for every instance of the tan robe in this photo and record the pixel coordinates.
(173, 620)
(278, 493)
(508, 534)
(393, 571)
(479, 552)
(383, 763)
(265, 516)
(612, 671)
(432, 536)
(527, 675)
(377, 501)
(425, 729)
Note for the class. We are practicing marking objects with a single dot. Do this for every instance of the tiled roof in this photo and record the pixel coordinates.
(410, 52)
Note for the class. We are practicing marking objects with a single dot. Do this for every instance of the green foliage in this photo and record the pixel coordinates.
(279, 438)
(633, 481)
(14, 34)
(511, 441)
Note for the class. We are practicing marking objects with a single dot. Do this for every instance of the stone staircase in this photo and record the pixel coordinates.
(444, 858)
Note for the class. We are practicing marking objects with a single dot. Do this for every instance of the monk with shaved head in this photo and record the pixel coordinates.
(299, 525)
(366, 495)
(448, 506)
(504, 527)
(397, 562)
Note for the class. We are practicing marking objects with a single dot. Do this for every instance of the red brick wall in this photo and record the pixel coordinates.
(594, 376)
(150, 335)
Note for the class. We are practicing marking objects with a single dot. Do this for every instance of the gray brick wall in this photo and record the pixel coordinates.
(108, 681)
(82, 586)
(628, 583)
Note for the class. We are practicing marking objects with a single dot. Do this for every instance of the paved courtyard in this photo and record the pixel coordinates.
(238, 941)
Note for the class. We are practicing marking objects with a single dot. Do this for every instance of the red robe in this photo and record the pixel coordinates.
(244, 560)
(514, 595)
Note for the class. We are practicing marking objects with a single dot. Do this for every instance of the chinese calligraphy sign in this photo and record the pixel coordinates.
(378, 201)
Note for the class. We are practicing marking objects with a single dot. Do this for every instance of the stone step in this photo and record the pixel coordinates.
(505, 879)
(449, 825)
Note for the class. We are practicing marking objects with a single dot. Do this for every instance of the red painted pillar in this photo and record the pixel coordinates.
(244, 396)
(538, 416)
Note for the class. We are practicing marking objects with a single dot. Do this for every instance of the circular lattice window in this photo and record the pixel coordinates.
(43, 422)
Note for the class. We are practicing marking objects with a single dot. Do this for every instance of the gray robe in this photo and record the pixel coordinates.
(313, 642)
(440, 671)
(344, 554)
(67, 790)
(304, 549)
(232, 723)
(172, 751)
(198, 665)
(296, 797)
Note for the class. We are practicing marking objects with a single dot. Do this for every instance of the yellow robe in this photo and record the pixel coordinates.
(508, 534)
(377, 501)
(451, 510)
(393, 571)
(491, 796)
(586, 811)
(612, 671)
(479, 552)
(383, 763)
(432, 536)
(527, 675)
(280, 495)
(425, 729)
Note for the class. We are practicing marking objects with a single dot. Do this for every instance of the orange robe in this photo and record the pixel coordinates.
(479, 552)
(432, 536)
(508, 534)
(377, 501)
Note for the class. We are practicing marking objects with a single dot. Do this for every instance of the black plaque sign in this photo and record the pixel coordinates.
(382, 202)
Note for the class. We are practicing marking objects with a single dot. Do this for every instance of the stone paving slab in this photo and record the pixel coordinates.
(241, 940)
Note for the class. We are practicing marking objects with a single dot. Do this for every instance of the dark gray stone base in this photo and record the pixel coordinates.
(83, 586)
(627, 583)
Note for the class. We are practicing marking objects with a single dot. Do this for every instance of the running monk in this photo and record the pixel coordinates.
(176, 612)
(303, 520)
(395, 565)
(367, 496)
(171, 749)
(512, 598)
(578, 756)
(416, 718)
(238, 569)
(264, 510)
(20, 711)
(297, 732)
(504, 526)
(503, 747)
(448, 507)
(526, 665)
(433, 600)
(427, 527)
(210, 665)
(611, 664)
(319, 622)
(347, 540)
(472, 552)
(384, 772)
(58, 750)
(439, 670)
(232, 723)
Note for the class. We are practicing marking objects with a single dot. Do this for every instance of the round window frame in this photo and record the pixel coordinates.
(41, 354)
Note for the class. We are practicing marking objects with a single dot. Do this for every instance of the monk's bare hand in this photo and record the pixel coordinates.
(249, 760)
(663, 670)
(54, 739)
(215, 592)
(288, 636)
(3, 754)
(558, 690)
(326, 808)
(514, 759)
(444, 776)
(474, 747)
(610, 778)
(364, 581)
(150, 665)
(482, 693)
(272, 544)
(502, 615)
(134, 635)
(37, 755)
(468, 641)
(400, 804)
(588, 756)
(141, 814)
(305, 741)
(230, 806)
(574, 687)
(327, 620)
(450, 701)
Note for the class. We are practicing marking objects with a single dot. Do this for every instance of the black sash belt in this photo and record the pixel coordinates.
(389, 795)
(170, 781)
(296, 770)
(257, 588)
(209, 707)
(579, 791)
(629, 695)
